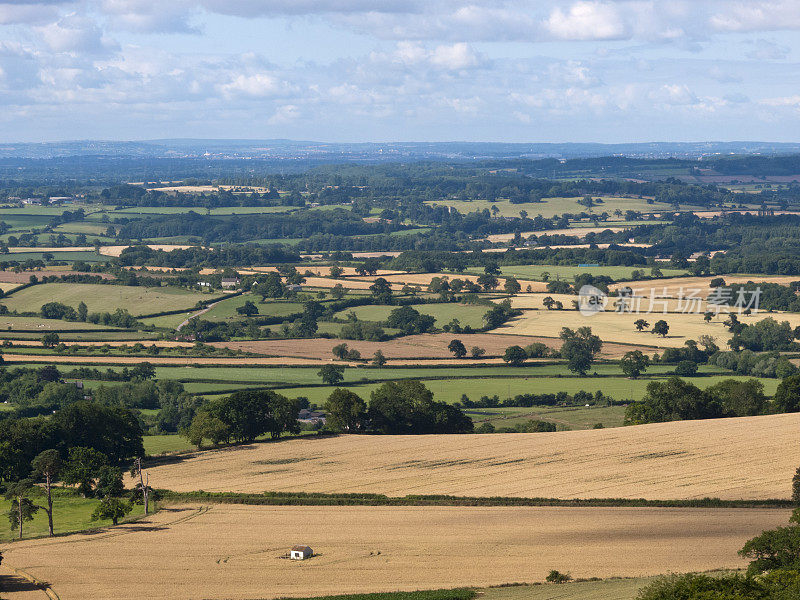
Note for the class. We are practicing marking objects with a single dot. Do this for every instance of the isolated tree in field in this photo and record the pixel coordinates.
(579, 348)
(457, 348)
(82, 467)
(83, 311)
(345, 410)
(338, 291)
(336, 271)
(48, 465)
(707, 316)
(548, 302)
(477, 352)
(50, 340)
(248, 309)
(378, 359)
(111, 508)
(641, 324)
(661, 327)
(331, 374)
(634, 363)
(515, 356)
(512, 286)
(22, 508)
(381, 291)
(340, 351)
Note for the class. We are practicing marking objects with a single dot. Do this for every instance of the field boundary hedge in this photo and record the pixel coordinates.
(359, 499)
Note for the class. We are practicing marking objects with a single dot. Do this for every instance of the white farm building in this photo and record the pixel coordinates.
(301, 552)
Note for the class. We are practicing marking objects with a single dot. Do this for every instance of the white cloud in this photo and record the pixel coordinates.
(674, 94)
(457, 56)
(257, 85)
(587, 21)
(77, 34)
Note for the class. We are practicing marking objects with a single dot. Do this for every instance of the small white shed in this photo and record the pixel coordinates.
(301, 552)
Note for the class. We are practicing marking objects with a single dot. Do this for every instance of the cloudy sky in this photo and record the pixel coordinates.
(379, 70)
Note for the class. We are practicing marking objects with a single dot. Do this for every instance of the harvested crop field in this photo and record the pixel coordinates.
(742, 458)
(228, 551)
(673, 287)
(618, 327)
(427, 345)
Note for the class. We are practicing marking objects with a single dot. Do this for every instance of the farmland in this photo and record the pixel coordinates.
(136, 300)
(549, 207)
(742, 458)
(233, 551)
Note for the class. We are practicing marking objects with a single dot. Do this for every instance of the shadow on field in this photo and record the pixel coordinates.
(17, 583)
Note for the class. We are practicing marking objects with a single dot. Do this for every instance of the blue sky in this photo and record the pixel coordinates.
(413, 70)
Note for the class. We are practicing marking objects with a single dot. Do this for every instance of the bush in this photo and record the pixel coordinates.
(686, 368)
(557, 577)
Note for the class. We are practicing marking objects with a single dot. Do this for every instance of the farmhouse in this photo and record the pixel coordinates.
(230, 283)
(301, 552)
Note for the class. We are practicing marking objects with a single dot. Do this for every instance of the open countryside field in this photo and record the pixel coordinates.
(742, 458)
(450, 390)
(568, 273)
(467, 314)
(550, 207)
(683, 285)
(426, 345)
(100, 298)
(618, 327)
(233, 552)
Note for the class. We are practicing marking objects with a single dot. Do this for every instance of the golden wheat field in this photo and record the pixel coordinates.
(673, 287)
(742, 458)
(618, 327)
(228, 551)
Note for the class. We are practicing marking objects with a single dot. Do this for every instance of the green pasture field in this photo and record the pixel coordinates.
(101, 297)
(226, 309)
(467, 314)
(568, 273)
(9, 323)
(23, 221)
(164, 444)
(619, 388)
(169, 321)
(308, 375)
(91, 229)
(550, 207)
(70, 513)
(99, 337)
(66, 256)
(578, 417)
(604, 589)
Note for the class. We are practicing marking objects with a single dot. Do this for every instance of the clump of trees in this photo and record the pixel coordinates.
(244, 416)
(396, 407)
(676, 400)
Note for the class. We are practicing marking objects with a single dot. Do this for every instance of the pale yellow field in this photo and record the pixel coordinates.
(618, 327)
(233, 551)
(749, 457)
(678, 286)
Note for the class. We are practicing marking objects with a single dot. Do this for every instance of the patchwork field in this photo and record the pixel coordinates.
(427, 345)
(233, 552)
(742, 458)
(615, 327)
(550, 207)
(137, 300)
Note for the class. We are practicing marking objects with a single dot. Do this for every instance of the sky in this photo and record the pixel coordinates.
(401, 70)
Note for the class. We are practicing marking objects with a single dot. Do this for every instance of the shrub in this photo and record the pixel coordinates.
(557, 577)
